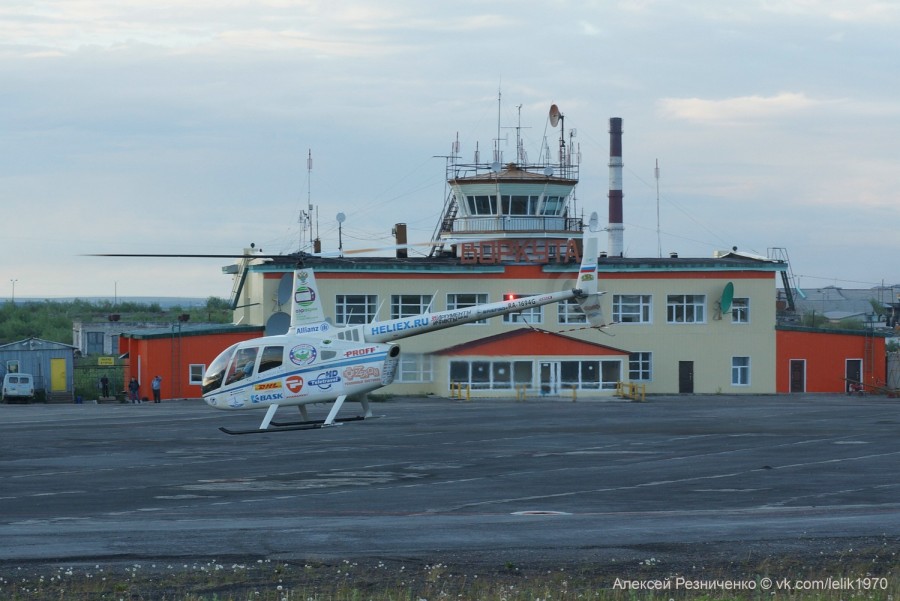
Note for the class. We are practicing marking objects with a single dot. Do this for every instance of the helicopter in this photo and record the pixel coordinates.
(318, 362)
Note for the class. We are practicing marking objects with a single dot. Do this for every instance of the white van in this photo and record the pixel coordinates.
(18, 387)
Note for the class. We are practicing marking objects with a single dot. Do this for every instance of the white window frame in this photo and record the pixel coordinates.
(531, 315)
(478, 298)
(640, 366)
(194, 379)
(632, 308)
(355, 309)
(685, 308)
(740, 310)
(740, 371)
(415, 368)
(409, 305)
(569, 311)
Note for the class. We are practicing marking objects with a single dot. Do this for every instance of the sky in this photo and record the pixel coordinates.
(164, 126)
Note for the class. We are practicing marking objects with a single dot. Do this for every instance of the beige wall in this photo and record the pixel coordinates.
(710, 345)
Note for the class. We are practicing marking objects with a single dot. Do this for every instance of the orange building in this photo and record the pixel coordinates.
(179, 354)
(821, 360)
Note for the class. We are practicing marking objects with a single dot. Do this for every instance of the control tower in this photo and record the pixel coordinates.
(511, 210)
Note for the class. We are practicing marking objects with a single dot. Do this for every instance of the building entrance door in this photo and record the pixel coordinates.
(798, 375)
(853, 373)
(686, 377)
(549, 377)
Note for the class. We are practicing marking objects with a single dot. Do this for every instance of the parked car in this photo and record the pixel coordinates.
(18, 387)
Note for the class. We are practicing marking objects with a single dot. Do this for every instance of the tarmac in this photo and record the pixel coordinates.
(551, 481)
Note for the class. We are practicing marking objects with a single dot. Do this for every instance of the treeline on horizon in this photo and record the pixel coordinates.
(53, 319)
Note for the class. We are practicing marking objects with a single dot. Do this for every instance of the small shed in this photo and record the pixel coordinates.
(179, 354)
(51, 364)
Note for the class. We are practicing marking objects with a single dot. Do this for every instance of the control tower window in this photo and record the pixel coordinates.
(482, 205)
(519, 205)
(553, 205)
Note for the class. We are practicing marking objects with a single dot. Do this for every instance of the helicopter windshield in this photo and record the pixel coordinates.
(215, 373)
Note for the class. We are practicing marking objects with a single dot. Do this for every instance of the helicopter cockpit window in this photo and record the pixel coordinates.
(212, 379)
(271, 358)
(242, 365)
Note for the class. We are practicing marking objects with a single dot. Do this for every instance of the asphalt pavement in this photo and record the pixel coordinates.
(548, 480)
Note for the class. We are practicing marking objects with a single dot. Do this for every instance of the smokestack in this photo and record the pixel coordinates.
(400, 237)
(616, 229)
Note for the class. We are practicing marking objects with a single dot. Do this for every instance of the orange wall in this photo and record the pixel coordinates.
(171, 358)
(825, 354)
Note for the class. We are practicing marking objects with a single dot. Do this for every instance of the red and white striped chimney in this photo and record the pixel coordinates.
(616, 229)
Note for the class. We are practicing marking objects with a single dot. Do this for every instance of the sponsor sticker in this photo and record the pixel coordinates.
(267, 386)
(361, 373)
(325, 379)
(303, 354)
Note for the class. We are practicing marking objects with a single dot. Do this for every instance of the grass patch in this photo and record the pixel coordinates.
(869, 576)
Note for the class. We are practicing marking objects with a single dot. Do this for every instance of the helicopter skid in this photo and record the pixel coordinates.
(291, 426)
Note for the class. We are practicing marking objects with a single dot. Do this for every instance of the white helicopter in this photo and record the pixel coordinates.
(317, 362)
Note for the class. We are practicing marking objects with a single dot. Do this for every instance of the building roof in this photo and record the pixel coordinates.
(454, 265)
(840, 303)
(197, 329)
(877, 333)
(35, 344)
(530, 342)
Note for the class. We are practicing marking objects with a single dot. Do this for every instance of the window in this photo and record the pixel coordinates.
(519, 205)
(407, 305)
(482, 205)
(415, 368)
(570, 312)
(354, 309)
(640, 366)
(271, 358)
(196, 372)
(686, 308)
(531, 315)
(590, 375)
(242, 364)
(740, 310)
(461, 301)
(496, 375)
(553, 205)
(94, 344)
(631, 308)
(740, 371)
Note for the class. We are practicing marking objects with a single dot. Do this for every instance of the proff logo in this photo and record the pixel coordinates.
(359, 352)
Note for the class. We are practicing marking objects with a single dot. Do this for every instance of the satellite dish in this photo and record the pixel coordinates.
(495, 167)
(277, 324)
(548, 171)
(727, 297)
(285, 288)
(554, 115)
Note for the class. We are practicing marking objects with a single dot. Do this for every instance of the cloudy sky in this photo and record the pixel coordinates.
(184, 127)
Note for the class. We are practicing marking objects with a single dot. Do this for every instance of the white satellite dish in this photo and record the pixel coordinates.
(495, 167)
(554, 115)
(548, 171)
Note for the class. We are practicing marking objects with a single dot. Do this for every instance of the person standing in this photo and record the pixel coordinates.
(104, 386)
(133, 389)
(155, 385)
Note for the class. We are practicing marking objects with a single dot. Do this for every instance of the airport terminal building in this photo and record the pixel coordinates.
(676, 324)
(667, 329)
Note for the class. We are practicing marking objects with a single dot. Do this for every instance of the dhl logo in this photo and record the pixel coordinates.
(267, 386)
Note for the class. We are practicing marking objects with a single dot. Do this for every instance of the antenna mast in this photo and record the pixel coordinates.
(658, 239)
(306, 217)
